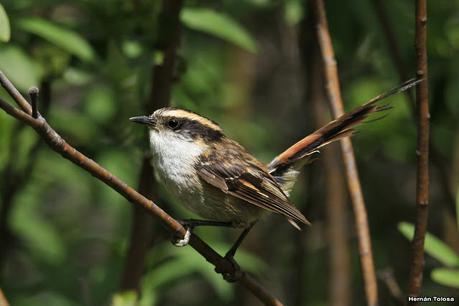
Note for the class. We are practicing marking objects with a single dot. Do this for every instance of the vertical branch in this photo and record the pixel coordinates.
(340, 276)
(358, 204)
(161, 84)
(141, 233)
(339, 256)
(422, 179)
(168, 42)
(397, 60)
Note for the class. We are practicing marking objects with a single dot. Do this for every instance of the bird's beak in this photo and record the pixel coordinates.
(143, 120)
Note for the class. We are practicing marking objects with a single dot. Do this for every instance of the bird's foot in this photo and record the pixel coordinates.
(183, 241)
(234, 274)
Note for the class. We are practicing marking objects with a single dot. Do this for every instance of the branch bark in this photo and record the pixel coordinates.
(340, 278)
(58, 144)
(162, 78)
(355, 190)
(397, 60)
(3, 300)
(422, 179)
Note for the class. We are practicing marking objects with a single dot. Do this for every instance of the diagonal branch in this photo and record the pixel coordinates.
(355, 190)
(15, 94)
(3, 300)
(57, 143)
(422, 179)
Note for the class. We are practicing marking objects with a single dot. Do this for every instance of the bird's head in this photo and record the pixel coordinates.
(175, 125)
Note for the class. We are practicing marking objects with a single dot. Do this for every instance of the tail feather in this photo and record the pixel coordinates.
(284, 168)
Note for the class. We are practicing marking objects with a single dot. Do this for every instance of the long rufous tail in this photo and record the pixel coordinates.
(284, 167)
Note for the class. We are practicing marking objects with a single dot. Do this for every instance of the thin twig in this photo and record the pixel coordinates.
(422, 178)
(33, 94)
(262, 294)
(387, 277)
(58, 144)
(355, 190)
(15, 94)
(397, 60)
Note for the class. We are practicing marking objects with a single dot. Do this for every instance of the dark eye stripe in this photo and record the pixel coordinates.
(193, 128)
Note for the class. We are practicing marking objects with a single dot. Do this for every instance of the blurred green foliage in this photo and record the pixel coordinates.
(4, 25)
(238, 63)
(220, 25)
(441, 252)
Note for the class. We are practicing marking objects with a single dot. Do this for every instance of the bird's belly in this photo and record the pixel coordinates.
(218, 206)
(205, 200)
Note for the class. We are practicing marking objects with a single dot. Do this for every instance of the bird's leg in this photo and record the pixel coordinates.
(190, 224)
(230, 254)
(237, 273)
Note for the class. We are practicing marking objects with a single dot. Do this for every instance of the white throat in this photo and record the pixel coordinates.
(174, 158)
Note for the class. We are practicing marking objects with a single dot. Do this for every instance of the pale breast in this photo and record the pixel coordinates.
(174, 160)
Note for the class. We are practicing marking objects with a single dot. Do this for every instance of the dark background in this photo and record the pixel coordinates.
(249, 65)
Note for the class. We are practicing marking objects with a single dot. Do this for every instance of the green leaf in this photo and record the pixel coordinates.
(219, 25)
(19, 67)
(127, 298)
(433, 246)
(447, 277)
(293, 11)
(64, 38)
(5, 32)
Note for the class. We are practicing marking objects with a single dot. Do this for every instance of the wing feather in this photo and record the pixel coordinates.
(248, 181)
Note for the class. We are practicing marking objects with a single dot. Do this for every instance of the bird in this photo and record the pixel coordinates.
(218, 179)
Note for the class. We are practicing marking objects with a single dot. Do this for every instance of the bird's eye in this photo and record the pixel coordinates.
(173, 124)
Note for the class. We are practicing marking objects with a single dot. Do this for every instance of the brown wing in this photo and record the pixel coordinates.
(247, 180)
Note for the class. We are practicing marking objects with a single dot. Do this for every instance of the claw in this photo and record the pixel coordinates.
(180, 242)
(236, 273)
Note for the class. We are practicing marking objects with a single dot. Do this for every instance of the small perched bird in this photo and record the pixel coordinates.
(221, 181)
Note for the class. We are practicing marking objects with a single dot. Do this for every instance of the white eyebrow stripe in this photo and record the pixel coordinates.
(180, 113)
